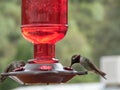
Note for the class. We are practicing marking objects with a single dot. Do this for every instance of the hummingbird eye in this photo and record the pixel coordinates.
(21, 65)
(73, 57)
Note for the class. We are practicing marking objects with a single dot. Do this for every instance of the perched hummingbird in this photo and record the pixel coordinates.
(11, 67)
(87, 64)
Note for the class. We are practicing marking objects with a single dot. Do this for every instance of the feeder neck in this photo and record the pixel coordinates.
(44, 51)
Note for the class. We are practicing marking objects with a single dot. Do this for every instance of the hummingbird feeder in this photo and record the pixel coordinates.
(44, 22)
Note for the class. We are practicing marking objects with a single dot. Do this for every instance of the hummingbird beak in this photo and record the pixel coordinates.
(70, 65)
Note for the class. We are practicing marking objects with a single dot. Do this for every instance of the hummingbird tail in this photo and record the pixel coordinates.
(102, 74)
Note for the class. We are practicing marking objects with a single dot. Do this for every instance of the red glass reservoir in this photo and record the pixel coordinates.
(44, 22)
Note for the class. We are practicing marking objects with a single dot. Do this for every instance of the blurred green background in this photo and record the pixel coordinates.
(94, 31)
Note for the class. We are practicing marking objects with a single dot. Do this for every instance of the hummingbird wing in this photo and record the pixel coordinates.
(11, 67)
(91, 65)
(8, 69)
(96, 70)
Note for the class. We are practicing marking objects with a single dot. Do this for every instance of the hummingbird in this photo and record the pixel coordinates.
(11, 67)
(87, 64)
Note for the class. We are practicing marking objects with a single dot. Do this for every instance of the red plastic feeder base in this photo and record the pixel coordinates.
(43, 73)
